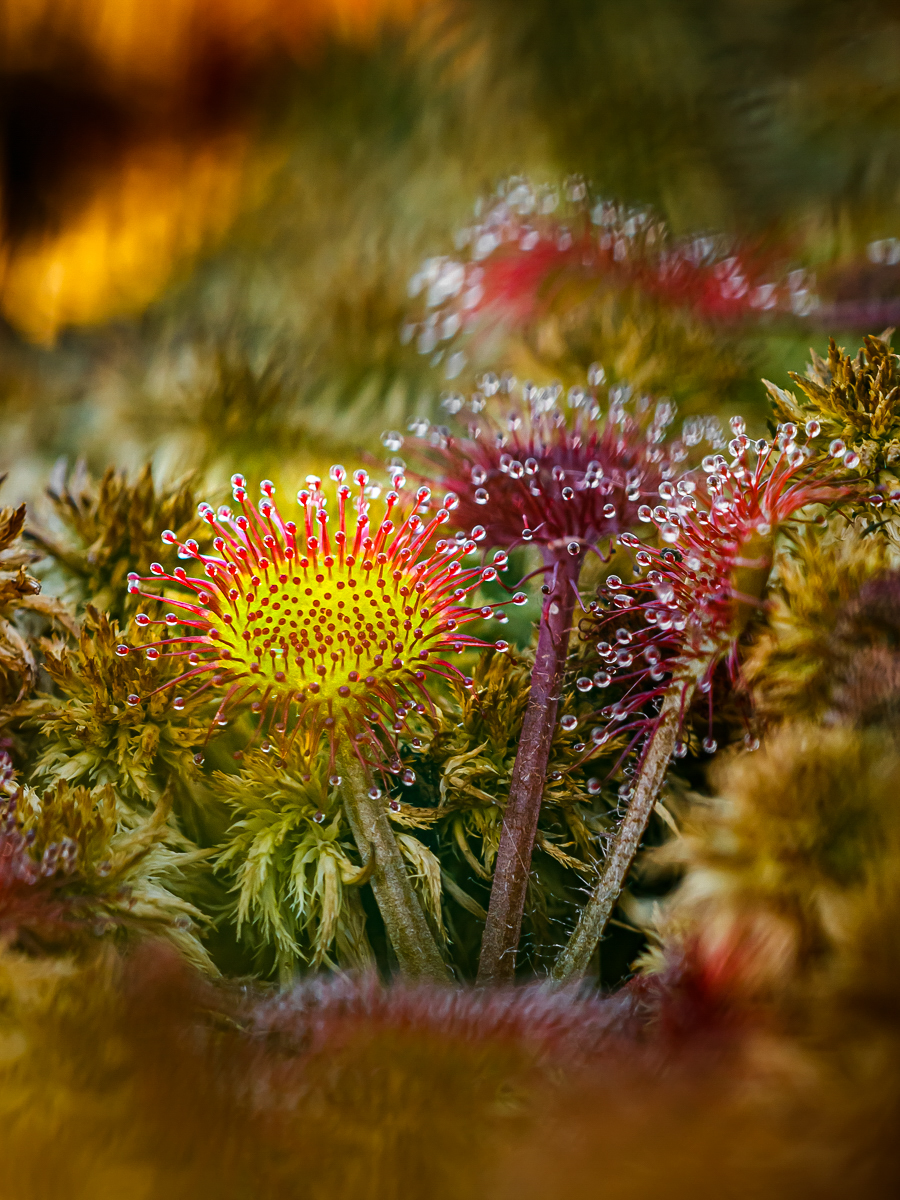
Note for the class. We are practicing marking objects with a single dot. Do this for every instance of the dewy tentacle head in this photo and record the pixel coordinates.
(697, 591)
(331, 624)
(554, 470)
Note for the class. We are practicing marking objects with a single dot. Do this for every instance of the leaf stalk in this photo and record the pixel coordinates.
(575, 957)
(503, 927)
(404, 919)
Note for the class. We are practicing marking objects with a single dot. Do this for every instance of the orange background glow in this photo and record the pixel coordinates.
(143, 160)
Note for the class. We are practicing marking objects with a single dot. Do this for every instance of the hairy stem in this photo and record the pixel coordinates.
(404, 920)
(575, 957)
(513, 867)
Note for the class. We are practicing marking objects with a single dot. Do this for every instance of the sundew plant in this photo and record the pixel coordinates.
(567, 476)
(325, 635)
(325, 642)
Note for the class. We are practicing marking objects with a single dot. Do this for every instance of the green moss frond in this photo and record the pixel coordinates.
(120, 869)
(474, 751)
(426, 875)
(860, 394)
(855, 401)
(294, 865)
(463, 775)
(797, 833)
(20, 598)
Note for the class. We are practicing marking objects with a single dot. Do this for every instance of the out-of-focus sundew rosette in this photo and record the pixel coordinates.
(127, 130)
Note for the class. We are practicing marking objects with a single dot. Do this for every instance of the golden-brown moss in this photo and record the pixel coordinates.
(111, 526)
(798, 831)
(798, 654)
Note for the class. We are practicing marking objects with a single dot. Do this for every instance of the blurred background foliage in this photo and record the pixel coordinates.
(210, 219)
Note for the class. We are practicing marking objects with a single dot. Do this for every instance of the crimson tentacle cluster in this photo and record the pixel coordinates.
(561, 473)
(684, 617)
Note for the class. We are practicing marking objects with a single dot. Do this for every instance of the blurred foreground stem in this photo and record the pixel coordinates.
(404, 919)
(504, 920)
(574, 959)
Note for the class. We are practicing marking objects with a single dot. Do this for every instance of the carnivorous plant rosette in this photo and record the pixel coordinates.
(332, 631)
(566, 481)
(678, 623)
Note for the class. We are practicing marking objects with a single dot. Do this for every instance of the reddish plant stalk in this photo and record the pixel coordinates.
(574, 959)
(513, 867)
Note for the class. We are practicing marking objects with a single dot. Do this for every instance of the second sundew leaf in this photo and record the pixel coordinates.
(669, 630)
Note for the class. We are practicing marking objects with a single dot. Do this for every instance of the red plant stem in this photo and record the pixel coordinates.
(504, 920)
(574, 959)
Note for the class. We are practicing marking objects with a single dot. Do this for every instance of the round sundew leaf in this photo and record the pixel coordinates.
(328, 630)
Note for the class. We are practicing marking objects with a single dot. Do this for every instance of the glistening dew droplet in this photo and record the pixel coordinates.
(669, 532)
